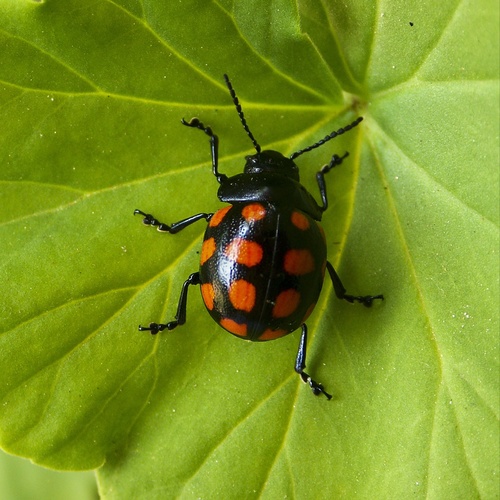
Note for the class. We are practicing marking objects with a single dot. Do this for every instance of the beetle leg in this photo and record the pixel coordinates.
(180, 317)
(366, 300)
(300, 364)
(214, 146)
(320, 177)
(149, 220)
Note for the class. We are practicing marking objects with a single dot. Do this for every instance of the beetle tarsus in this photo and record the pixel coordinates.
(316, 387)
(154, 328)
(150, 220)
(335, 161)
(366, 300)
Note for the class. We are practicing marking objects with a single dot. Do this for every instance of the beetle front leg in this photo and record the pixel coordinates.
(149, 220)
(300, 364)
(214, 146)
(320, 177)
(340, 291)
(180, 317)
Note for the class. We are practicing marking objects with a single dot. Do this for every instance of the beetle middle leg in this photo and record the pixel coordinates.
(150, 220)
(340, 291)
(180, 317)
(300, 364)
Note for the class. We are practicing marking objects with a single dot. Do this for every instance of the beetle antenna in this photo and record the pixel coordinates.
(241, 114)
(334, 134)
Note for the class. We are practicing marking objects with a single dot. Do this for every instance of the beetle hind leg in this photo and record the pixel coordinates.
(300, 364)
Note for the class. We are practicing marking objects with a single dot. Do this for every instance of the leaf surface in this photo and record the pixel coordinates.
(91, 97)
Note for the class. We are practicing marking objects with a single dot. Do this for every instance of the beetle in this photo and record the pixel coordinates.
(263, 256)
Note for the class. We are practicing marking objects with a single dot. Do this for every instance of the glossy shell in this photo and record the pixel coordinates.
(261, 269)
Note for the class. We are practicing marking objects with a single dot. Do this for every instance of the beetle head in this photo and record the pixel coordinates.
(270, 161)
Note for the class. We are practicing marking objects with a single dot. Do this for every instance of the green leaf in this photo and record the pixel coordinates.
(91, 97)
(22, 480)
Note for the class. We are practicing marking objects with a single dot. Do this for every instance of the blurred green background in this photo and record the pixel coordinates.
(22, 480)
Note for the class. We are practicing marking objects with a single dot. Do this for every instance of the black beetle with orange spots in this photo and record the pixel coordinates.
(263, 257)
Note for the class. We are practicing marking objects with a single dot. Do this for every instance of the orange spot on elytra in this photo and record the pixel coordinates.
(242, 295)
(208, 294)
(300, 220)
(286, 303)
(253, 212)
(207, 250)
(233, 327)
(244, 252)
(218, 216)
(272, 334)
(298, 262)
